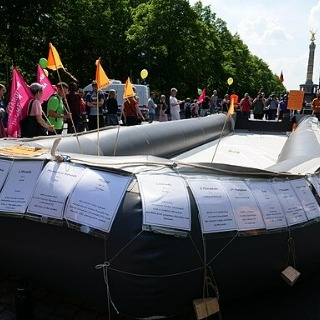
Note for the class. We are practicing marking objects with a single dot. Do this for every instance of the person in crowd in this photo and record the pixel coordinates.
(259, 106)
(195, 109)
(174, 104)
(205, 107)
(272, 105)
(36, 111)
(214, 102)
(112, 108)
(151, 107)
(131, 112)
(225, 103)
(3, 111)
(283, 111)
(75, 104)
(94, 103)
(163, 107)
(187, 108)
(56, 110)
(245, 105)
(316, 105)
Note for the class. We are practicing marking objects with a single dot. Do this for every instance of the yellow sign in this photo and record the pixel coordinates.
(22, 151)
(295, 100)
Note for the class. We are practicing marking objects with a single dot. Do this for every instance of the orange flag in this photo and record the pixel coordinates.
(231, 108)
(54, 61)
(128, 90)
(101, 77)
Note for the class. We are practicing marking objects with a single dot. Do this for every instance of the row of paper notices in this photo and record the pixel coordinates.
(269, 204)
(5, 166)
(306, 198)
(96, 198)
(53, 187)
(21, 178)
(226, 205)
(92, 197)
(165, 201)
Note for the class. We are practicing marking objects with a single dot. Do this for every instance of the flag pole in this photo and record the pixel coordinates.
(67, 105)
(98, 125)
(229, 114)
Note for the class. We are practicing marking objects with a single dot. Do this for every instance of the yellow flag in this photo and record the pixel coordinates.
(54, 61)
(128, 90)
(231, 108)
(101, 77)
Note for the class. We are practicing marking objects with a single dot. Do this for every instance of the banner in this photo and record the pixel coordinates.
(101, 77)
(17, 109)
(45, 82)
(295, 100)
(54, 61)
(202, 96)
(231, 108)
(128, 90)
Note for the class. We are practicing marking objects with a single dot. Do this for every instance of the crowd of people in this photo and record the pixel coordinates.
(96, 109)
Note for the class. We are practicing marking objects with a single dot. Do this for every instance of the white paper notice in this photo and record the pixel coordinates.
(96, 198)
(245, 208)
(306, 197)
(214, 206)
(269, 205)
(5, 166)
(53, 188)
(165, 201)
(19, 186)
(290, 203)
(315, 180)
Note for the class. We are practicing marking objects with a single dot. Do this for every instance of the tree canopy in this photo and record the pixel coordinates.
(180, 45)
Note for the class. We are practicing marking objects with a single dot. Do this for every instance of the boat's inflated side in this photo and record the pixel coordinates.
(159, 139)
(302, 146)
(159, 271)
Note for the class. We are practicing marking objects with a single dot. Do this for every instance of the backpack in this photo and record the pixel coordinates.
(29, 125)
(44, 106)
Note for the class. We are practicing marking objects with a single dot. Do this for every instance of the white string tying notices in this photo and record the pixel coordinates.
(291, 250)
(104, 268)
(231, 240)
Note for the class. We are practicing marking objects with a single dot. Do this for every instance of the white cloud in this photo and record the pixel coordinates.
(276, 31)
(314, 18)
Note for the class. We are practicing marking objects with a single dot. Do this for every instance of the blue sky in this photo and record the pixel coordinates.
(277, 31)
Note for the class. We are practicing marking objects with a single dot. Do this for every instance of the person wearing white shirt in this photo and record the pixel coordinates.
(174, 104)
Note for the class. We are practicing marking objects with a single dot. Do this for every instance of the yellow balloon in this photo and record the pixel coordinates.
(144, 73)
(46, 72)
(230, 81)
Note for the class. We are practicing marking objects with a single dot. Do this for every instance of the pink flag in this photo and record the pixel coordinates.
(17, 109)
(45, 82)
(202, 96)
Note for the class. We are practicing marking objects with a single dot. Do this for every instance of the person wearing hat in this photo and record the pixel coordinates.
(174, 104)
(94, 103)
(36, 125)
(56, 111)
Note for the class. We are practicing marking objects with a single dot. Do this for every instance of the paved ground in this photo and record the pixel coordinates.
(300, 302)
(47, 305)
